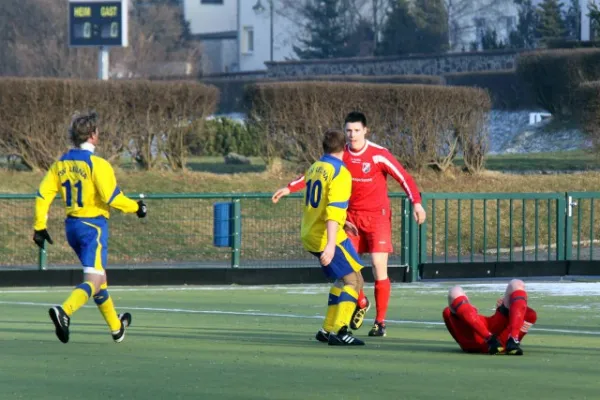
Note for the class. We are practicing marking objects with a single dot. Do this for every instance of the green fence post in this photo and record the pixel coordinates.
(404, 232)
(236, 232)
(568, 227)
(423, 235)
(413, 251)
(561, 219)
(42, 259)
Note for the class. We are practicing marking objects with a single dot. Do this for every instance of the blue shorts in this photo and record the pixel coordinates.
(345, 261)
(88, 237)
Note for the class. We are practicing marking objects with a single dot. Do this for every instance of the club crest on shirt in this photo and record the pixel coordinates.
(366, 167)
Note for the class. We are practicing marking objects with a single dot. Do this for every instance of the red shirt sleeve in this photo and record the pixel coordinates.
(388, 164)
(297, 184)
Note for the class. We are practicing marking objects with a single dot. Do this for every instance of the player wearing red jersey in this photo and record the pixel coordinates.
(369, 212)
(500, 333)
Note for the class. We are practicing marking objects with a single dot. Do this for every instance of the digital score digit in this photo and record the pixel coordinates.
(98, 23)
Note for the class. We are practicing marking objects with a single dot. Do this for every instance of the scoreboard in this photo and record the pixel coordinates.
(98, 23)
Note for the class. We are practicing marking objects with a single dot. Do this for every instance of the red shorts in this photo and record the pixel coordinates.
(374, 231)
(471, 342)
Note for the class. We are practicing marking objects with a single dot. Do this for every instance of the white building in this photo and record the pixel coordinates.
(468, 21)
(215, 24)
(241, 35)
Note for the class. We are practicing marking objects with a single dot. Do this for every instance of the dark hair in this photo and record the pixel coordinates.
(356, 116)
(334, 141)
(83, 126)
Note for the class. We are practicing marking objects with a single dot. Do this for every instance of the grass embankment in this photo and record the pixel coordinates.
(182, 230)
(577, 160)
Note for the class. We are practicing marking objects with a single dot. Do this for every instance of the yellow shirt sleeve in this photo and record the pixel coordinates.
(338, 197)
(47, 191)
(106, 185)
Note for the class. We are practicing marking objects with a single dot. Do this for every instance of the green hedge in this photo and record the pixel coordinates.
(221, 136)
(553, 76)
(562, 43)
(588, 110)
(423, 125)
(232, 89)
(504, 86)
(135, 116)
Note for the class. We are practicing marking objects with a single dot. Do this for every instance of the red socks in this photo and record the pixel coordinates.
(516, 312)
(466, 312)
(383, 289)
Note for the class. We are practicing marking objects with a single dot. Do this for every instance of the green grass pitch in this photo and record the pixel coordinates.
(237, 342)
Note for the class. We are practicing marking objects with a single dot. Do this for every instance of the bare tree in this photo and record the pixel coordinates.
(38, 44)
(157, 37)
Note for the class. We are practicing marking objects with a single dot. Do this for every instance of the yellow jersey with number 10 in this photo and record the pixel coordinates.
(87, 185)
(328, 187)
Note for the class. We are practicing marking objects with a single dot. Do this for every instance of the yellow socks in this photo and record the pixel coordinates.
(346, 307)
(332, 307)
(107, 308)
(79, 296)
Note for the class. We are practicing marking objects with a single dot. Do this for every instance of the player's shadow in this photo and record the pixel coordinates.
(414, 345)
(240, 336)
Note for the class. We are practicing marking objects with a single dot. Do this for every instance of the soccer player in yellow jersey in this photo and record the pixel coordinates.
(328, 187)
(88, 188)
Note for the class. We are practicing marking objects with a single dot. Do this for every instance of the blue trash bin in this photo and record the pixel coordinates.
(222, 224)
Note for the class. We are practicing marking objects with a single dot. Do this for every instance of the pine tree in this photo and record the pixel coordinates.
(573, 20)
(325, 35)
(431, 19)
(550, 23)
(594, 14)
(399, 31)
(524, 37)
(489, 40)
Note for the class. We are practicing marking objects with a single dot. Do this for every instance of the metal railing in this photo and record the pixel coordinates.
(461, 227)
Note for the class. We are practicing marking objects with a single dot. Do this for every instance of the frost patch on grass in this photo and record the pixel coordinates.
(542, 288)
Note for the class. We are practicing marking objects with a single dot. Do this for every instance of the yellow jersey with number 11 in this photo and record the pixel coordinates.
(87, 185)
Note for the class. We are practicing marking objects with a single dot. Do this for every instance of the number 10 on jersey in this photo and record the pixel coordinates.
(314, 190)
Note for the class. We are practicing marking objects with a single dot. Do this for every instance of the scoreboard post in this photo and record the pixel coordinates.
(99, 23)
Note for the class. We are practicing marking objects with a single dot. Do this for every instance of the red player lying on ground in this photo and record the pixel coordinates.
(499, 334)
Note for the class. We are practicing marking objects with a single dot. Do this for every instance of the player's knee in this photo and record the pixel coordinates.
(361, 281)
(339, 283)
(446, 314)
(96, 281)
(352, 280)
(454, 293)
(530, 316)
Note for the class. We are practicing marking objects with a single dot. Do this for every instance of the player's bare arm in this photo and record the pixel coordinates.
(327, 255)
(279, 194)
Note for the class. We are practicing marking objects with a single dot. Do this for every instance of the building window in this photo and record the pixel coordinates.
(211, 2)
(248, 39)
(479, 28)
(511, 24)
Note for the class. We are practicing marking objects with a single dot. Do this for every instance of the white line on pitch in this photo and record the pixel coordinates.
(276, 315)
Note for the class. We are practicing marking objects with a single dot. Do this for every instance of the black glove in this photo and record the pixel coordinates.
(142, 209)
(39, 237)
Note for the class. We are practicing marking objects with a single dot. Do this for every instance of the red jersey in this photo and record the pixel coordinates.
(370, 168)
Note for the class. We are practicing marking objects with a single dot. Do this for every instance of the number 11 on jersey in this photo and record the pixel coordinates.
(68, 193)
